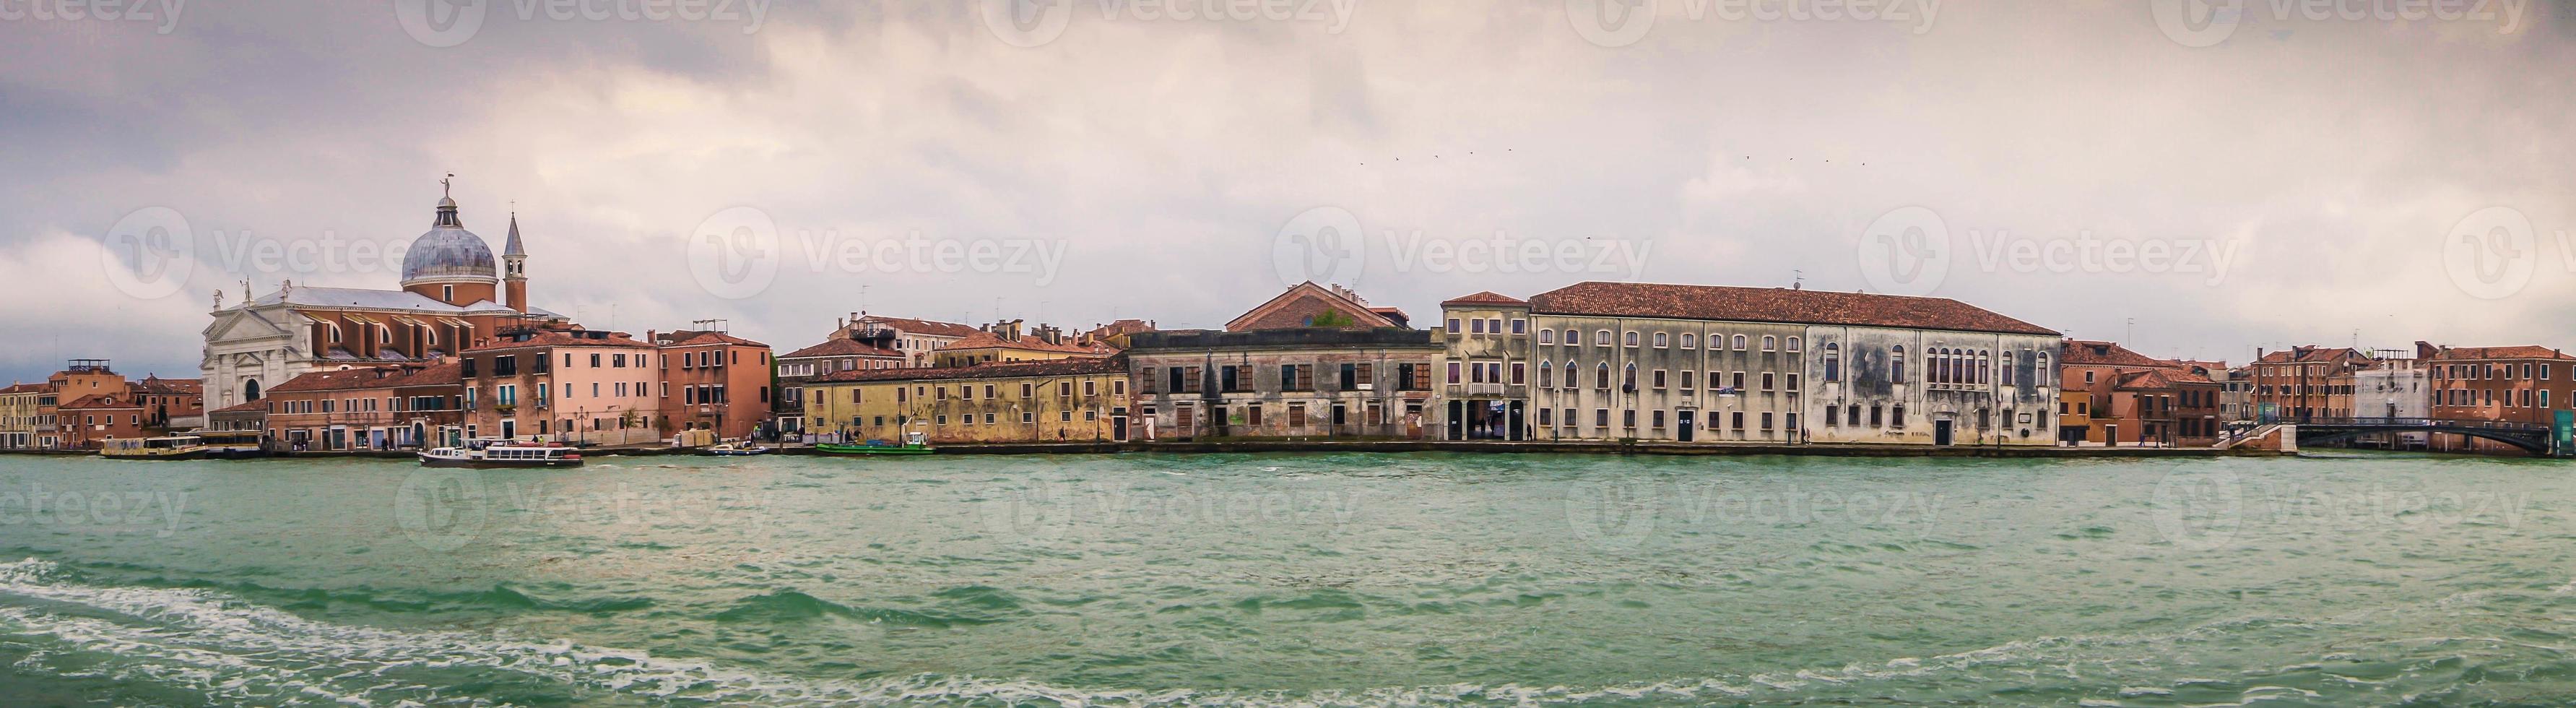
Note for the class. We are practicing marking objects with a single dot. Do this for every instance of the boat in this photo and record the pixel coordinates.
(501, 453)
(738, 449)
(231, 444)
(913, 444)
(175, 447)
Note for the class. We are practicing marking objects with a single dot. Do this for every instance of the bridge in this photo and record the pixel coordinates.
(2534, 438)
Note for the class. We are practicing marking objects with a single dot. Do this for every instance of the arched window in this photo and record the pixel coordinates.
(1628, 378)
(1985, 367)
(1739, 342)
(1629, 338)
(2007, 377)
(1547, 336)
(1545, 380)
(1601, 376)
(1833, 361)
(2039, 370)
(250, 390)
(1663, 339)
(1601, 338)
(1770, 343)
(1793, 344)
(1896, 364)
(1689, 340)
(1573, 338)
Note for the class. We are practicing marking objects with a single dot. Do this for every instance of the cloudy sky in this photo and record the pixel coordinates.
(2198, 180)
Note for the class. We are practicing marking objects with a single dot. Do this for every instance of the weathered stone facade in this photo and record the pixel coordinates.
(1285, 383)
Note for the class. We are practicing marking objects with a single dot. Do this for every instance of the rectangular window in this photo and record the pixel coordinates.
(1601, 418)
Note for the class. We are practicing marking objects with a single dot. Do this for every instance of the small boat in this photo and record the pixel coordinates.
(175, 447)
(231, 444)
(489, 453)
(738, 449)
(913, 444)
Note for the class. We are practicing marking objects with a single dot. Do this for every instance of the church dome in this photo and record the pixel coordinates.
(448, 251)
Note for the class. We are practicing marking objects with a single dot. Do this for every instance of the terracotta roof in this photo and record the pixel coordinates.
(98, 401)
(551, 338)
(1300, 304)
(843, 347)
(2156, 379)
(2525, 351)
(1785, 305)
(1016, 369)
(155, 384)
(24, 388)
(945, 329)
(258, 406)
(440, 374)
(987, 340)
(2309, 354)
(1487, 297)
(2080, 352)
(691, 339)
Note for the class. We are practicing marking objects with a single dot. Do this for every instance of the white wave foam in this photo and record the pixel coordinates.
(232, 649)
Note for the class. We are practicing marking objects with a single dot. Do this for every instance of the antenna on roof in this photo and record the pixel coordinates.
(1797, 279)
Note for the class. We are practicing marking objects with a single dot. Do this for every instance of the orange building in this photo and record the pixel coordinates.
(2300, 383)
(2113, 395)
(714, 381)
(2516, 384)
(388, 407)
(87, 420)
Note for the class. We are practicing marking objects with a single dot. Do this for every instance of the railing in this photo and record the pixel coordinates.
(2414, 423)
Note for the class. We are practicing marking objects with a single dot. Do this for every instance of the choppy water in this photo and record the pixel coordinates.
(1303, 579)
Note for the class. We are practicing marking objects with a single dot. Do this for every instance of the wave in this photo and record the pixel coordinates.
(235, 651)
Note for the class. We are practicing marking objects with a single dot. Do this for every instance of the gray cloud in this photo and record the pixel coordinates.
(1164, 156)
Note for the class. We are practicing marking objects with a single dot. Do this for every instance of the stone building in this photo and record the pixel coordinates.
(25, 421)
(839, 354)
(1302, 382)
(1064, 400)
(916, 339)
(2300, 383)
(1005, 342)
(453, 292)
(1695, 363)
(2525, 384)
(1312, 362)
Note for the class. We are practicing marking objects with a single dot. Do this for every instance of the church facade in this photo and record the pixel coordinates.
(453, 292)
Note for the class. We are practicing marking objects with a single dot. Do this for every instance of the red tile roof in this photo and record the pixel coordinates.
(441, 374)
(24, 388)
(2525, 351)
(1299, 305)
(2309, 354)
(100, 401)
(931, 327)
(843, 347)
(155, 384)
(1016, 369)
(1487, 297)
(987, 340)
(690, 339)
(258, 406)
(2080, 352)
(1784, 305)
(551, 338)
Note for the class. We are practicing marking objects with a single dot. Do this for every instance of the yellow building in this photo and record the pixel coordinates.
(1004, 343)
(1070, 400)
(22, 417)
(2074, 414)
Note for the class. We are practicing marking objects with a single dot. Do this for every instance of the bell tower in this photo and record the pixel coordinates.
(514, 269)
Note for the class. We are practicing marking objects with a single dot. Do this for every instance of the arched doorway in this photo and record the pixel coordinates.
(250, 390)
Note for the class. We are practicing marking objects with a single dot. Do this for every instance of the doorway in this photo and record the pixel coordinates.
(1682, 431)
(1941, 432)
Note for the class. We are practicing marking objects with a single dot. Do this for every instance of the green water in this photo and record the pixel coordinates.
(1310, 579)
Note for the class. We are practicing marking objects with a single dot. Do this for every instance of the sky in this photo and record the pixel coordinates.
(2195, 179)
